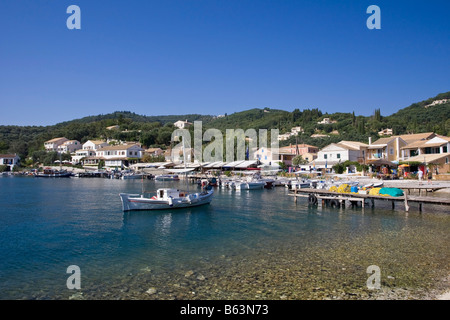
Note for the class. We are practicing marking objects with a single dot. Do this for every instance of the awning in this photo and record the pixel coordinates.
(246, 164)
(179, 170)
(233, 164)
(212, 164)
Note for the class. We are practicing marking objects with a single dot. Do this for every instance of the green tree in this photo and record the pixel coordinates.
(298, 160)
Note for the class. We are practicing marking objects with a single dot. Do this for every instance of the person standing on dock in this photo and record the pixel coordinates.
(420, 174)
(430, 176)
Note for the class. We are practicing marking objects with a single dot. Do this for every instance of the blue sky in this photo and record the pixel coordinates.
(211, 57)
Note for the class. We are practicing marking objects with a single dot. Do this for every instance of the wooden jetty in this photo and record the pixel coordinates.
(338, 199)
(420, 188)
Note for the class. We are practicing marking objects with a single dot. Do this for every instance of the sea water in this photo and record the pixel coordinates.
(246, 244)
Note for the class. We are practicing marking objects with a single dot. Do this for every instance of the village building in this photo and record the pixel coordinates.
(385, 132)
(9, 160)
(120, 156)
(340, 152)
(390, 148)
(154, 152)
(182, 124)
(94, 144)
(437, 145)
(69, 146)
(53, 144)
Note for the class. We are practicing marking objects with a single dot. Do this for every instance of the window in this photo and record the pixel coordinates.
(338, 155)
(446, 160)
(325, 156)
(391, 151)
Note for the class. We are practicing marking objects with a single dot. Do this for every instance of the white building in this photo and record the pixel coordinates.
(69, 146)
(9, 160)
(436, 102)
(285, 136)
(339, 152)
(119, 156)
(82, 154)
(436, 145)
(266, 156)
(94, 144)
(294, 131)
(182, 124)
(385, 132)
(326, 121)
(53, 144)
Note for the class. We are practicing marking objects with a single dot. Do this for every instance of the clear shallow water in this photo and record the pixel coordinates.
(47, 225)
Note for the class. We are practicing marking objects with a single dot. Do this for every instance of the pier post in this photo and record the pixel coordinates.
(393, 204)
(406, 203)
(295, 196)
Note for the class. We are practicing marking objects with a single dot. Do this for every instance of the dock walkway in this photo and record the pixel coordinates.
(338, 199)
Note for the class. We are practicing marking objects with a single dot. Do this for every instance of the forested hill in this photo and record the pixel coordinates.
(429, 115)
(423, 116)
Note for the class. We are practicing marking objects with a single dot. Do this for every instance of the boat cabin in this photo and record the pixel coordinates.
(166, 193)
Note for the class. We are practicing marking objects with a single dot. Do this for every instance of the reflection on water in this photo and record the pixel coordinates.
(47, 225)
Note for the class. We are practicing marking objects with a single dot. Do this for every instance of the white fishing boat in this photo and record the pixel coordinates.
(295, 185)
(248, 185)
(165, 198)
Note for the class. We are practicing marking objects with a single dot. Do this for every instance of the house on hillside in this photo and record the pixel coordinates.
(53, 144)
(69, 146)
(182, 124)
(385, 132)
(9, 160)
(154, 152)
(94, 144)
(327, 121)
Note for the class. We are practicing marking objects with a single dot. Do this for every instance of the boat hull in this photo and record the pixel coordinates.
(131, 177)
(53, 175)
(167, 178)
(249, 185)
(133, 202)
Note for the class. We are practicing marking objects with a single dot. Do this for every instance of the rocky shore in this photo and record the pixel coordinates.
(335, 271)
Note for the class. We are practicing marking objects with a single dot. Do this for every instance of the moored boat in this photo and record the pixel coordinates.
(51, 173)
(165, 198)
(167, 177)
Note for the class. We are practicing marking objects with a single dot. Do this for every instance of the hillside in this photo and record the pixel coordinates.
(419, 117)
(423, 117)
